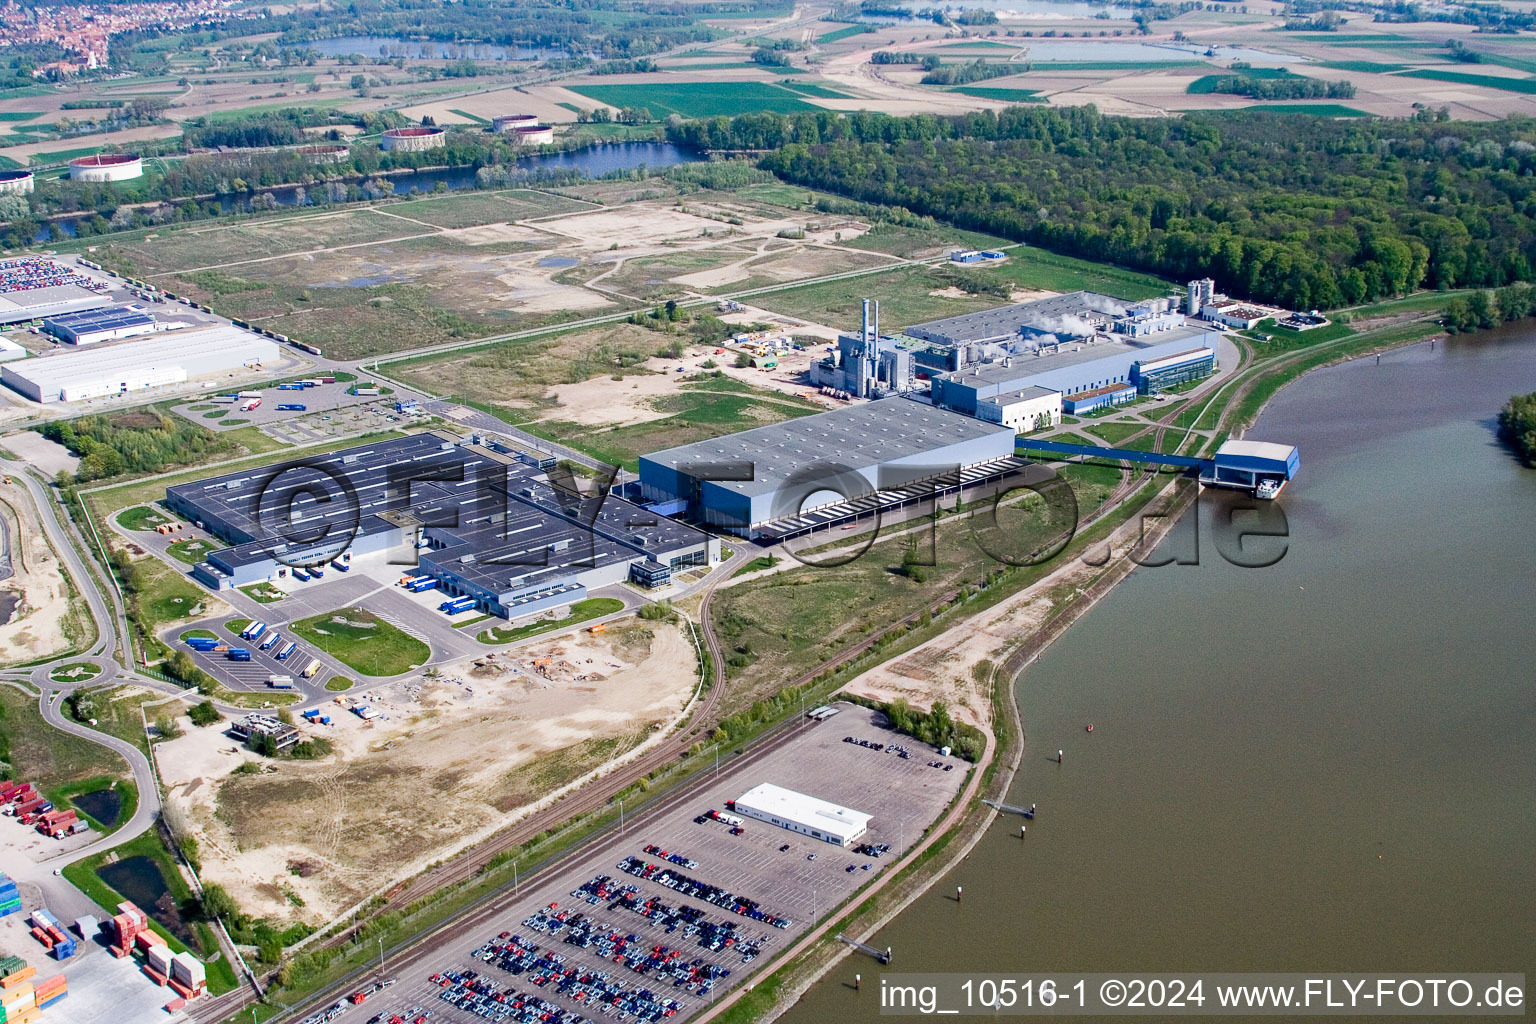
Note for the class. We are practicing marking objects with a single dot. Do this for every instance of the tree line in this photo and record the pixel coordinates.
(1285, 87)
(1517, 425)
(1301, 212)
(141, 444)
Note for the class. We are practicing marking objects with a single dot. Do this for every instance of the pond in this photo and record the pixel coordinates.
(103, 805)
(140, 880)
(426, 49)
(591, 162)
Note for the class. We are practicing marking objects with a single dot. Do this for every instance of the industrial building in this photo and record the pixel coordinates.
(93, 326)
(807, 815)
(36, 286)
(1263, 467)
(490, 523)
(10, 350)
(136, 366)
(16, 181)
(1094, 399)
(1082, 344)
(253, 725)
(507, 122)
(865, 365)
(744, 481)
(1023, 410)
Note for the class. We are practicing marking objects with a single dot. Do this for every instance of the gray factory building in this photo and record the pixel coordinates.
(493, 527)
(742, 481)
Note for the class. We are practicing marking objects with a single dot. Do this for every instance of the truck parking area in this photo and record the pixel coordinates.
(654, 922)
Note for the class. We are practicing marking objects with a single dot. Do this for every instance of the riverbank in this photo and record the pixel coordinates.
(819, 954)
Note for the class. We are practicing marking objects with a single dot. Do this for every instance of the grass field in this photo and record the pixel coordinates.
(698, 99)
(1114, 433)
(62, 156)
(1365, 67)
(1010, 95)
(1314, 109)
(7, 164)
(1028, 267)
(695, 416)
(472, 208)
(364, 641)
(44, 755)
(812, 89)
(142, 517)
(19, 115)
(842, 33)
(191, 551)
(581, 611)
(1522, 85)
(906, 242)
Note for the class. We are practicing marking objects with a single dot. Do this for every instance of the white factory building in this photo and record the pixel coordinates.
(137, 365)
(1022, 411)
(807, 815)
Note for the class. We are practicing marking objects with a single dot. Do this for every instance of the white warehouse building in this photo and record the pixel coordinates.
(807, 815)
(137, 365)
(1022, 411)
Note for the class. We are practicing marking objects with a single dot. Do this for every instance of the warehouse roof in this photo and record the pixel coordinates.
(1256, 450)
(1029, 394)
(858, 437)
(25, 304)
(506, 525)
(1003, 322)
(1074, 353)
(89, 321)
(53, 372)
(806, 810)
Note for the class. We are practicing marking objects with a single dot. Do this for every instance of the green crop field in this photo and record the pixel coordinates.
(7, 164)
(812, 89)
(19, 115)
(472, 117)
(1010, 95)
(62, 156)
(364, 641)
(1525, 85)
(977, 44)
(842, 33)
(1206, 84)
(1314, 109)
(698, 99)
(1116, 65)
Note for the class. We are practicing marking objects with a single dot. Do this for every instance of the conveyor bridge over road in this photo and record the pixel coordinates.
(1094, 451)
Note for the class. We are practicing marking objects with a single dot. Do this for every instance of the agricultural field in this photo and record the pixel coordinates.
(697, 99)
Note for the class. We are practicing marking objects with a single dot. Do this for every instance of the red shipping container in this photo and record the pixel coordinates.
(175, 1005)
(181, 989)
(42, 936)
(45, 990)
(154, 975)
(147, 938)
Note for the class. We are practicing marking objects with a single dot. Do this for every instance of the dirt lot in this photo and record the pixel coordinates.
(452, 759)
(40, 617)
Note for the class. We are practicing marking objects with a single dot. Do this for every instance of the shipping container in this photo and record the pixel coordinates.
(296, 386)
(238, 654)
(282, 655)
(225, 399)
(254, 631)
(248, 394)
(315, 572)
(421, 586)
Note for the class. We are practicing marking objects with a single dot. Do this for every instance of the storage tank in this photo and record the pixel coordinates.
(507, 122)
(332, 154)
(106, 167)
(535, 134)
(16, 181)
(413, 140)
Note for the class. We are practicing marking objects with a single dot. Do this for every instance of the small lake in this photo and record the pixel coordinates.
(139, 880)
(426, 49)
(104, 805)
(1066, 49)
(591, 162)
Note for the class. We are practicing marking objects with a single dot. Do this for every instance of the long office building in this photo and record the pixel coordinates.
(743, 481)
(495, 527)
(99, 372)
(807, 815)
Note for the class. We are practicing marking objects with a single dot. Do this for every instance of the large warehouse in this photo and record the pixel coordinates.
(137, 365)
(742, 481)
(93, 326)
(496, 528)
(807, 815)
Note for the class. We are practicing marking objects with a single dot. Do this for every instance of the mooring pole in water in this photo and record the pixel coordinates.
(1058, 757)
(959, 891)
(1021, 831)
(856, 980)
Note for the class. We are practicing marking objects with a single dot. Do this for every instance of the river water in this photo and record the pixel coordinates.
(1325, 765)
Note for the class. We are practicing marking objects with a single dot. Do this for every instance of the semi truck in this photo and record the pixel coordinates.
(271, 641)
(282, 655)
(249, 404)
(253, 630)
(238, 654)
(311, 668)
(280, 682)
(422, 585)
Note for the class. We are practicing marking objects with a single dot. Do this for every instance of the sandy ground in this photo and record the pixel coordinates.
(639, 225)
(34, 629)
(490, 104)
(36, 450)
(454, 759)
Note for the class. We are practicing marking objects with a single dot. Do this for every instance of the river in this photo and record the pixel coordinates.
(1326, 765)
(590, 162)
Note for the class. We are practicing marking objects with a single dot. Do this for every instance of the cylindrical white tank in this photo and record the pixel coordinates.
(507, 122)
(15, 181)
(413, 140)
(329, 154)
(535, 134)
(106, 167)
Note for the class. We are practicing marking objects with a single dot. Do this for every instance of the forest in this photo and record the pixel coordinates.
(1288, 87)
(139, 443)
(1294, 210)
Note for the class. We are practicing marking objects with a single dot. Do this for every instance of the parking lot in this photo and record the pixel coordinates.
(329, 411)
(659, 920)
